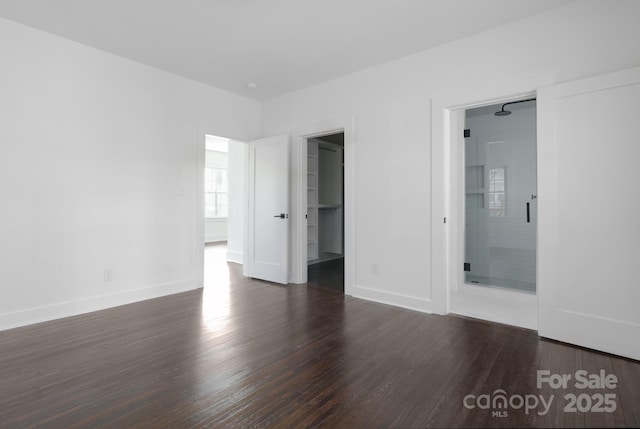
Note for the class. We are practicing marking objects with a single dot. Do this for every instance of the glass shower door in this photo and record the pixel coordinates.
(500, 200)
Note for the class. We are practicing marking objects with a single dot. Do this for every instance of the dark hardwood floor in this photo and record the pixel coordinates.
(246, 353)
(327, 275)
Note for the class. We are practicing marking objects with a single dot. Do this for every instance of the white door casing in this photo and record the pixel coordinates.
(267, 253)
(299, 199)
(447, 121)
(589, 212)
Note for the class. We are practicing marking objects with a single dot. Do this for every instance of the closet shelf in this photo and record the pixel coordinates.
(329, 206)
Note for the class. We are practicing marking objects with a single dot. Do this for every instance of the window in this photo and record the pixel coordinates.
(497, 195)
(215, 187)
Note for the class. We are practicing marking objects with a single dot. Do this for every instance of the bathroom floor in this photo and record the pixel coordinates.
(502, 283)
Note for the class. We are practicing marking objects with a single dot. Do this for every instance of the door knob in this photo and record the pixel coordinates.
(282, 216)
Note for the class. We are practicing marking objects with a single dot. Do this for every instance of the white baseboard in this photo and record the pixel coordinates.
(214, 238)
(496, 305)
(87, 305)
(234, 256)
(395, 299)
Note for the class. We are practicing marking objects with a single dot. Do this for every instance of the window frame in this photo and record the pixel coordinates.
(492, 193)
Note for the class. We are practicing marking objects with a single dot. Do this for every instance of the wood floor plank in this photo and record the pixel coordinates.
(246, 353)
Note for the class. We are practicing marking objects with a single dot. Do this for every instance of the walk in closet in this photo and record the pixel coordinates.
(324, 199)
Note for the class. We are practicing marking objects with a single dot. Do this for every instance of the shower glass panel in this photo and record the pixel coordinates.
(500, 196)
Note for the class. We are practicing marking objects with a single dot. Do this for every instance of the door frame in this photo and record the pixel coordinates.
(447, 214)
(299, 197)
(201, 153)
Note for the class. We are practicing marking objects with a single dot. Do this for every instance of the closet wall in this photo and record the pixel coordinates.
(324, 200)
(312, 201)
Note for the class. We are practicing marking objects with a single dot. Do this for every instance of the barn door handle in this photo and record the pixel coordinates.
(528, 213)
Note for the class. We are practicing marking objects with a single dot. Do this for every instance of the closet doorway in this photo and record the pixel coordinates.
(325, 212)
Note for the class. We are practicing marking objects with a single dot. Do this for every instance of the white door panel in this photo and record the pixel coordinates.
(589, 225)
(268, 219)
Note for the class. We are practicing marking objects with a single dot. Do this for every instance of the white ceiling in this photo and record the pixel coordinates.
(281, 45)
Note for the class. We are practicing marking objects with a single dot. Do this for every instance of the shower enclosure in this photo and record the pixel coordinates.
(500, 196)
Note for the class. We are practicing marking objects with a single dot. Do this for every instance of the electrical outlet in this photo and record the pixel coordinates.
(374, 269)
(108, 275)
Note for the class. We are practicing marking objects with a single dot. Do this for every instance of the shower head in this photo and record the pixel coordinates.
(503, 112)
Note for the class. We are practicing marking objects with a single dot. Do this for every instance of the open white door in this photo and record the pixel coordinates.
(268, 217)
(589, 212)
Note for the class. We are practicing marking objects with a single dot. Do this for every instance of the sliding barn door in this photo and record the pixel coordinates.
(589, 212)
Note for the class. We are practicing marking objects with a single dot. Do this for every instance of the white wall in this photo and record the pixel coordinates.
(215, 158)
(99, 169)
(216, 229)
(238, 158)
(390, 107)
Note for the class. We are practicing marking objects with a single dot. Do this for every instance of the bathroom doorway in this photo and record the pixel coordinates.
(500, 196)
(499, 164)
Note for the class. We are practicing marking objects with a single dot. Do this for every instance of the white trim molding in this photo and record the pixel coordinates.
(299, 197)
(396, 299)
(445, 118)
(94, 303)
(235, 256)
(215, 238)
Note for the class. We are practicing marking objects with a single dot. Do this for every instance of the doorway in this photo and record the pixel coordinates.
(497, 280)
(216, 190)
(500, 196)
(223, 189)
(325, 211)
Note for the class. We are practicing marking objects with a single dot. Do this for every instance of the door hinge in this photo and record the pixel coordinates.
(467, 132)
(467, 266)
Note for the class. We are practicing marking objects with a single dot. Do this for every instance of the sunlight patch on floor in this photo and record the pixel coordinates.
(216, 300)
